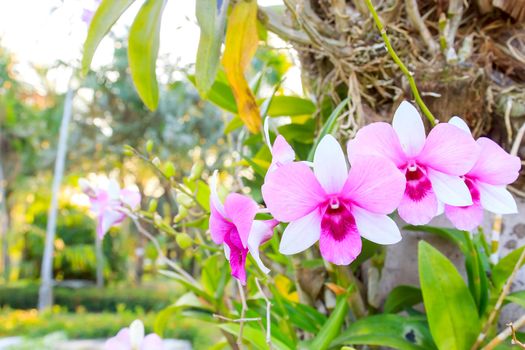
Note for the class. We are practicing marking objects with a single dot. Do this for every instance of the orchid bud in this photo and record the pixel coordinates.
(169, 169)
(149, 146)
(128, 150)
(156, 161)
(183, 240)
(181, 215)
(196, 170)
(184, 200)
(152, 205)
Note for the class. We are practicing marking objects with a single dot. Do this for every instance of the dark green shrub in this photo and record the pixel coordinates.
(92, 299)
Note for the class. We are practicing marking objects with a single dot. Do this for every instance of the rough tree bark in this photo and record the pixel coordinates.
(45, 295)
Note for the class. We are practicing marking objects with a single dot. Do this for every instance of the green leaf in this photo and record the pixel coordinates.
(502, 271)
(209, 51)
(394, 331)
(188, 300)
(106, 15)
(143, 49)
(233, 124)
(304, 317)
(290, 106)
(332, 326)
(328, 127)
(220, 94)
(451, 311)
(517, 298)
(254, 336)
(402, 297)
(474, 255)
(456, 236)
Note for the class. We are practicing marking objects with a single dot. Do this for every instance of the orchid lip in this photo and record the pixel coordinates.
(334, 203)
(412, 167)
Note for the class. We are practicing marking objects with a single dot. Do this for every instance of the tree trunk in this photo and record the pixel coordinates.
(4, 224)
(45, 295)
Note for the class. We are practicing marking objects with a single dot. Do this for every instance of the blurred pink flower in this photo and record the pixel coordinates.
(89, 11)
(432, 165)
(334, 206)
(233, 225)
(133, 338)
(487, 182)
(108, 203)
(282, 152)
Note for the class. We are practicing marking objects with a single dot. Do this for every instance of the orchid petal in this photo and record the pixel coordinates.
(301, 234)
(460, 123)
(108, 219)
(130, 198)
(418, 212)
(152, 342)
(465, 218)
(219, 226)
(330, 165)
(237, 260)
(340, 242)
(496, 199)
(449, 189)
(377, 139)
(495, 166)
(374, 184)
(282, 152)
(113, 190)
(241, 210)
(227, 251)
(119, 342)
(409, 128)
(261, 232)
(266, 128)
(377, 228)
(292, 191)
(136, 333)
(449, 149)
(214, 196)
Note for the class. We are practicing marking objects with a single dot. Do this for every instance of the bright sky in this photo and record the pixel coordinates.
(40, 32)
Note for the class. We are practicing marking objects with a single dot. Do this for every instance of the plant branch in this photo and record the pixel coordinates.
(400, 64)
(244, 306)
(163, 257)
(509, 331)
(268, 314)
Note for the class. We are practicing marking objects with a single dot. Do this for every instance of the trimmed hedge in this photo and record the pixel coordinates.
(92, 299)
(32, 324)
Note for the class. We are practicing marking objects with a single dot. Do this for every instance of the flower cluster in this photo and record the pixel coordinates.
(392, 167)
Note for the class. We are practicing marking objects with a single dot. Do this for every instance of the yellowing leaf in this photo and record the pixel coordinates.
(284, 285)
(240, 46)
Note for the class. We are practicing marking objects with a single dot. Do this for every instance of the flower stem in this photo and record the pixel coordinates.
(400, 64)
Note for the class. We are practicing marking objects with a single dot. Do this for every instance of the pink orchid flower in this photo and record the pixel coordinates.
(233, 224)
(133, 338)
(487, 182)
(432, 165)
(282, 152)
(334, 206)
(109, 203)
